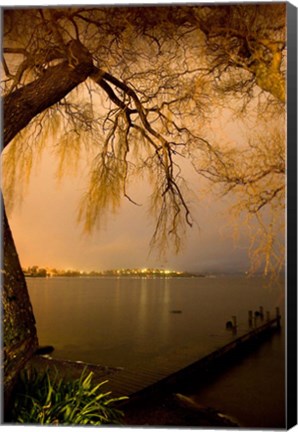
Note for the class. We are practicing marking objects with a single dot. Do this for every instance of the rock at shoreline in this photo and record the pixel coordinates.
(43, 350)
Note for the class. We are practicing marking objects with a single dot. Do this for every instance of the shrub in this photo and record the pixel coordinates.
(47, 399)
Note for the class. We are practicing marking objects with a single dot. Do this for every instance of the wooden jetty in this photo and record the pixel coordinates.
(135, 383)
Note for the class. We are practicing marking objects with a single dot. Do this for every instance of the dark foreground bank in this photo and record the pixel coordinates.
(154, 408)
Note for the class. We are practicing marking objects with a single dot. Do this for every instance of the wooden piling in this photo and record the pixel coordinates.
(278, 317)
(234, 318)
(250, 315)
(267, 316)
(255, 321)
(261, 312)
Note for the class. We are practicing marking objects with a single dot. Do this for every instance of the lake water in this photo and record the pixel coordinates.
(129, 322)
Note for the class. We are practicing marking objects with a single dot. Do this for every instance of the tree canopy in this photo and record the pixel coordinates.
(140, 86)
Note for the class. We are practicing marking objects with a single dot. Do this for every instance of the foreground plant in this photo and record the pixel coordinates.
(46, 399)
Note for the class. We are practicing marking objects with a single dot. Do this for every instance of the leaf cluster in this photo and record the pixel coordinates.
(46, 399)
(254, 179)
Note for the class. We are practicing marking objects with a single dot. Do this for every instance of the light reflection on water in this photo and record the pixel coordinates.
(119, 321)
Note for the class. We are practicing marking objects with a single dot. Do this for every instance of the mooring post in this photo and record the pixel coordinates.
(250, 318)
(262, 312)
(255, 320)
(234, 318)
(268, 315)
(278, 317)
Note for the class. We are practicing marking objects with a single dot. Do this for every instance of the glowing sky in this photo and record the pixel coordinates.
(46, 231)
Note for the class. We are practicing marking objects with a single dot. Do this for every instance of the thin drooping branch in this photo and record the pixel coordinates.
(162, 147)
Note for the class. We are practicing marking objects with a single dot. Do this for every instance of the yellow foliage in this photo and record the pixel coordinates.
(105, 190)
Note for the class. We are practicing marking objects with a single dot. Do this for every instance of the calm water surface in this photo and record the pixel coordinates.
(129, 322)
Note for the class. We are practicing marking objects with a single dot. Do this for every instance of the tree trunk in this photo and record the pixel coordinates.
(20, 107)
(271, 81)
(19, 333)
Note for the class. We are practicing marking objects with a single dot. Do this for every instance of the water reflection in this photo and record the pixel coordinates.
(127, 320)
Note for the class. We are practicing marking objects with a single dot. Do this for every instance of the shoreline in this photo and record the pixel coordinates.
(155, 408)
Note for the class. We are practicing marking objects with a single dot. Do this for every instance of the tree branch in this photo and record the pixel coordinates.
(22, 105)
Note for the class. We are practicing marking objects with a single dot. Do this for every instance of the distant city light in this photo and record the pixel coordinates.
(36, 271)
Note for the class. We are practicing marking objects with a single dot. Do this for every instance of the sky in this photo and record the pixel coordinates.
(47, 233)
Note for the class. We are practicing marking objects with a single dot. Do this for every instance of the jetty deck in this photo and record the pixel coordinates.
(136, 382)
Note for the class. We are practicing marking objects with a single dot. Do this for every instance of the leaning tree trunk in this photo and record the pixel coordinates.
(20, 107)
(19, 333)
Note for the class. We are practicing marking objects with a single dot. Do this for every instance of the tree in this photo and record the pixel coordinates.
(136, 87)
(246, 52)
(245, 45)
(255, 176)
(18, 326)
